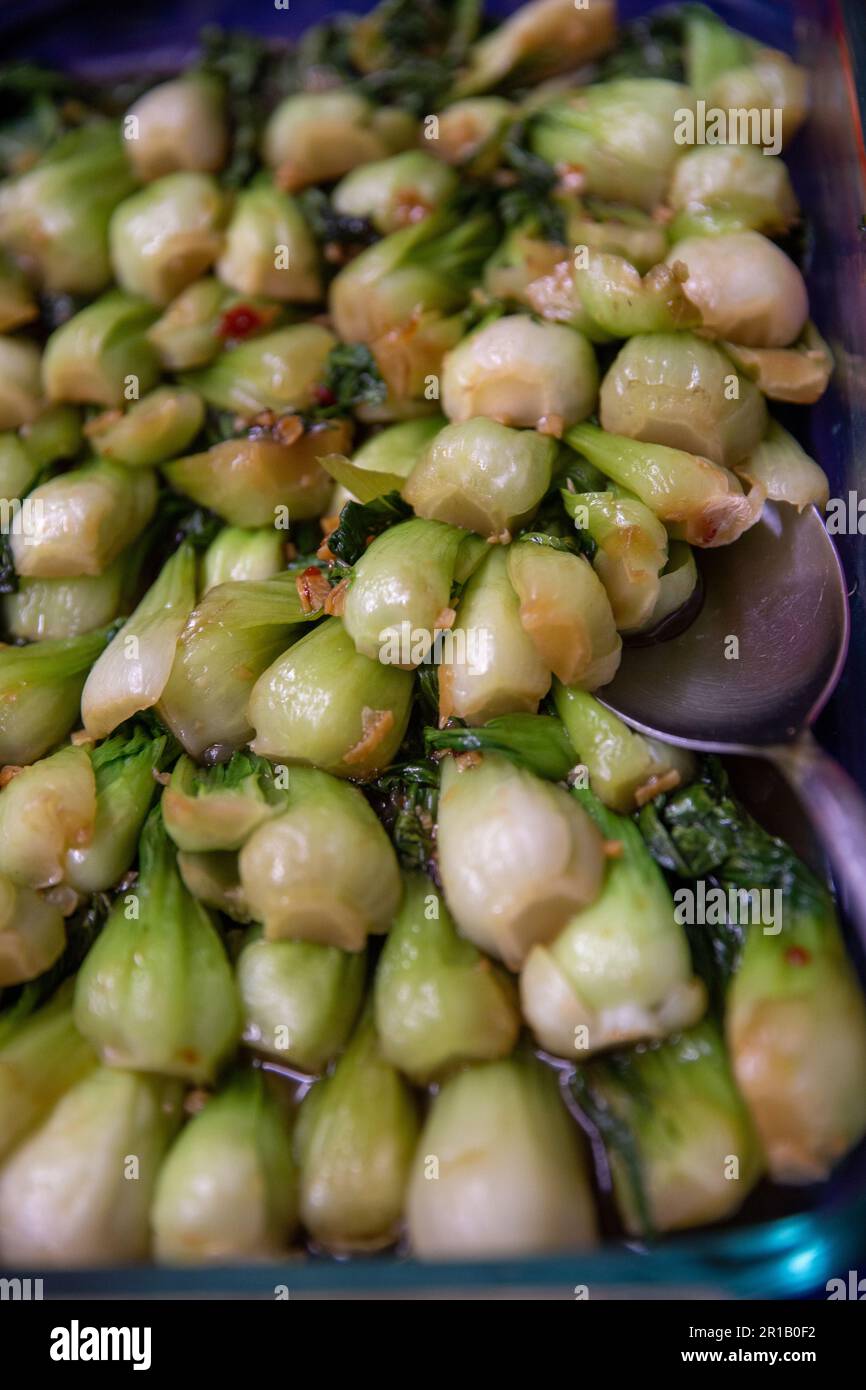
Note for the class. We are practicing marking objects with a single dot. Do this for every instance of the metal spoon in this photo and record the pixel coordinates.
(754, 670)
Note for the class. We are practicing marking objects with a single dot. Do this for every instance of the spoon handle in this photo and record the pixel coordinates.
(837, 810)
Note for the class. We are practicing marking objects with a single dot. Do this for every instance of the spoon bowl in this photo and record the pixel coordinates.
(763, 655)
(753, 671)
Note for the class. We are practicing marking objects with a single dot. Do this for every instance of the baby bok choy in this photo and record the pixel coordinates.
(518, 856)
(680, 1143)
(156, 991)
(794, 1014)
(619, 970)
(228, 1189)
(498, 1140)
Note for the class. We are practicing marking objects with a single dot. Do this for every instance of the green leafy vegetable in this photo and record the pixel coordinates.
(537, 741)
(530, 195)
(359, 523)
(351, 379)
(406, 798)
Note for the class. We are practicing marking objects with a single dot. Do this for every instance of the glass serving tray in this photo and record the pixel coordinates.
(766, 1254)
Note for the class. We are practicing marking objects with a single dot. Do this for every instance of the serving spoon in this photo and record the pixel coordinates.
(756, 667)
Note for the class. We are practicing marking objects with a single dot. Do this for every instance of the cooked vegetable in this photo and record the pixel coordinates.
(177, 125)
(483, 476)
(768, 82)
(682, 1149)
(491, 665)
(543, 38)
(20, 383)
(730, 188)
(677, 389)
(388, 457)
(620, 969)
(218, 808)
(618, 301)
(392, 604)
(231, 636)
(619, 136)
(17, 305)
(32, 936)
(744, 286)
(470, 133)
(168, 234)
(261, 478)
(400, 297)
(47, 809)
(18, 467)
(323, 703)
(124, 770)
(499, 1139)
(711, 47)
(617, 228)
(240, 552)
(277, 371)
(41, 686)
(784, 471)
(536, 741)
(523, 257)
(324, 870)
(678, 584)
(316, 137)
(396, 192)
(78, 1191)
(565, 611)
(156, 991)
(522, 373)
(625, 768)
(795, 1018)
(554, 295)
(54, 217)
(203, 319)
(517, 856)
(212, 876)
(132, 673)
(355, 1140)
(317, 533)
(161, 424)
(102, 354)
(269, 249)
(58, 608)
(438, 1001)
(55, 435)
(631, 550)
(41, 1056)
(703, 499)
(796, 1027)
(299, 999)
(82, 520)
(799, 374)
(228, 1189)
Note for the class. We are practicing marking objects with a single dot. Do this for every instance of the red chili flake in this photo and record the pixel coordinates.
(240, 321)
(323, 395)
(797, 955)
